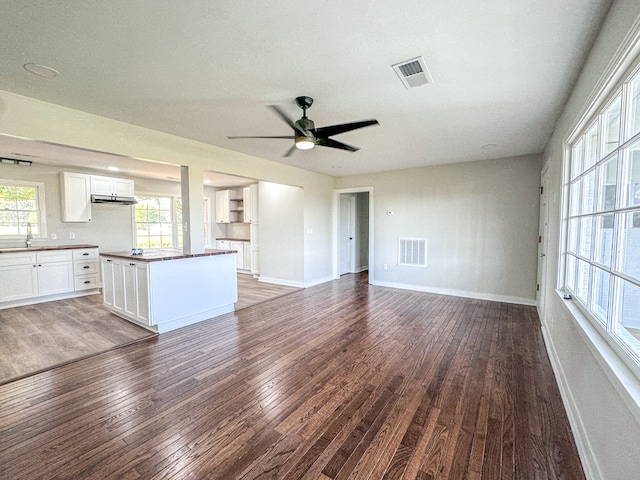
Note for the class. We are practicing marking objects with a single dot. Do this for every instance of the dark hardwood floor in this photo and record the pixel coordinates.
(341, 380)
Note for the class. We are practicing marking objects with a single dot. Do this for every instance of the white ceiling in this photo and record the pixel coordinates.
(205, 69)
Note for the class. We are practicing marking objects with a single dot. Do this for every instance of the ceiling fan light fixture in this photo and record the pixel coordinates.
(305, 143)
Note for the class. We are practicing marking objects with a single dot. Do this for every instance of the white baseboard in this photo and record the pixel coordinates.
(361, 269)
(460, 293)
(589, 465)
(318, 282)
(278, 281)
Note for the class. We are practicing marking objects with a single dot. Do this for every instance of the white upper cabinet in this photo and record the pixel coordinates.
(111, 186)
(229, 206)
(75, 194)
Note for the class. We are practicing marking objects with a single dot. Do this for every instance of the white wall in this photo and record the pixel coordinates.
(480, 220)
(32, 119)
(281, 236)
(600, 394)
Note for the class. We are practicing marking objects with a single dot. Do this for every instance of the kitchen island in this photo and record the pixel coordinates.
(164, 289)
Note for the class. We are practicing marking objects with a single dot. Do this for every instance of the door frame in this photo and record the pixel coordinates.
(351, 224)
(543, 245)
(336, 229)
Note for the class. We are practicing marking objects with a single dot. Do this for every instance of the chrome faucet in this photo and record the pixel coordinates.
(29, 235)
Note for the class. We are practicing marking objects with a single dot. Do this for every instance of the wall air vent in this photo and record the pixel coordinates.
(412, 252)
(413, 73)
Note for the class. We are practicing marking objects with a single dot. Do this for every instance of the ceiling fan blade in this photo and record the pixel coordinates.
(286, 119)
(344, 127)
(329, 142)
(290, 137)
(290, 151)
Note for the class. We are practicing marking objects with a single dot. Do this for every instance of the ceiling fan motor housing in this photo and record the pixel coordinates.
(306, 125)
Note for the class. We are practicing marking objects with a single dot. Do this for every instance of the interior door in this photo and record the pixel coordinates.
(347, 232)
(542, 246)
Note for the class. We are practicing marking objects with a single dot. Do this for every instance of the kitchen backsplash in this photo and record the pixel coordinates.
(238, 230)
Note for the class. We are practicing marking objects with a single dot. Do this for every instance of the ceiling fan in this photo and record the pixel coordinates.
(306, 135)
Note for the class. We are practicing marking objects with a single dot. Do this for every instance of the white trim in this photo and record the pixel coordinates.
(616, 68)
(42, 210)
(279, 281)
(48, 298)
(585, 451)
(318, 282)
(336, 229)
(461, 293)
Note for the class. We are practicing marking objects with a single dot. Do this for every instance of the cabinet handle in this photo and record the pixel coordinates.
(87, 281)
(108, 261)
(85, 254)
(132, 264)
(86, 266)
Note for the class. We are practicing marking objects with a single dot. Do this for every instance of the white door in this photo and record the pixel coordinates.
(347, 232)
(542, 246)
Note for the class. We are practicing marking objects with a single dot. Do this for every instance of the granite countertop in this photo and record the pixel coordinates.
(161, 254)
(234, 239)
(43, 248)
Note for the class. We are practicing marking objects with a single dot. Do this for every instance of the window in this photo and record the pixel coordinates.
(154, 222)
(21, 207)
(602, 260)
(159, 221)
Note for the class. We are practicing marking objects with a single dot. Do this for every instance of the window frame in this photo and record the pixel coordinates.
(177, 227)
(610, 327)
(41, 212)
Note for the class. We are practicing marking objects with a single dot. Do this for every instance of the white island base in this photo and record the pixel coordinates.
(163, 290)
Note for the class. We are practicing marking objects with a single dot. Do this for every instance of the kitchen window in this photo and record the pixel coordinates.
(154, 222)
(159, 221)
(21, 208)
(602, 259)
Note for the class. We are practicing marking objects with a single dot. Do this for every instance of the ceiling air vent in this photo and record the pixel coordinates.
(413, 73)
(412, 252)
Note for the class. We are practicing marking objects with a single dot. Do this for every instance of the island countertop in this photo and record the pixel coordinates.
(162, 254)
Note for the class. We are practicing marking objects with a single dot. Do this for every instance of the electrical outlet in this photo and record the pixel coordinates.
(53, 236)
(72, 236)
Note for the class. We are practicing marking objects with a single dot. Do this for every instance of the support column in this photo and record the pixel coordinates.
(191, 181)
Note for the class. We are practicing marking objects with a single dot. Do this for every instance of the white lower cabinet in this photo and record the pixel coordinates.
(25, 275)
(243, 257)
(125, 288)
(135, 276)
(18, 282)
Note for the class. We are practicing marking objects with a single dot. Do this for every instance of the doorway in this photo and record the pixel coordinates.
(353, 245)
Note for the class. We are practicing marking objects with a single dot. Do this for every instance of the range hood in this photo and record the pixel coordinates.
(113, 199)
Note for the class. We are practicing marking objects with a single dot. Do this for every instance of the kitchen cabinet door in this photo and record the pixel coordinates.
(222, 206)
(55, 277)
(18, 282)
(112, 291)
(239, 247)
(76, 197)
(111, 186)
(136, 291)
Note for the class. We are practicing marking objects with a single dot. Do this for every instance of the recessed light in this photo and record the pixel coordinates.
(113, 169)
(41, 70)
(489, 146)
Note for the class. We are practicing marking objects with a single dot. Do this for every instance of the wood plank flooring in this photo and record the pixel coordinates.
(251, 291)
(341, 380)
(37, 337)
